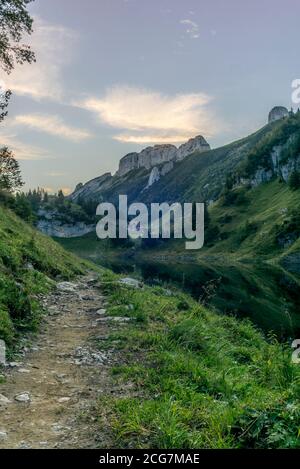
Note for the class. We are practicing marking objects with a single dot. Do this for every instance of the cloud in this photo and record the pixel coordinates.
(55, 174)
(21, 150)
(144, 139)
(53, 46)
(52, 125)
(191, 28)
(150, 116)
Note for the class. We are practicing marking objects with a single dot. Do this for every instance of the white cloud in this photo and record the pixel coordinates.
(55, 174)
(53, 46)
(52, 125)
(151, 138)
(21, 150)
(150, 116)
(191, 28)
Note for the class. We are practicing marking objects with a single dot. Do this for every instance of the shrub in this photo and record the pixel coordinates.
(294, 180)
(6, 326)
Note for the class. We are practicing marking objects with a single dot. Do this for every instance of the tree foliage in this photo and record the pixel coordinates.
(10, 174)
(4, 99)
(294, 180)
(15, 22)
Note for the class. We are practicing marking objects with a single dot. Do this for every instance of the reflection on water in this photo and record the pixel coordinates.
(267, 294)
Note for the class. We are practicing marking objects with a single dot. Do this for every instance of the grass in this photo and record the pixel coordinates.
(198, 379)
(255, 225)
(29, 262)
(251, 223)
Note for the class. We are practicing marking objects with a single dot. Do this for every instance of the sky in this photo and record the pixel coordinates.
(115, 76)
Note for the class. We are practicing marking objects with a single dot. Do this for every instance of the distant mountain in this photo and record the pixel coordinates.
(166, 174)
(145, 167)
(193, 172)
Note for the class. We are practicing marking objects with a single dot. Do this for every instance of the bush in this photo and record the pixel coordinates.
(6, 326)
(248, 229)
(294, 180)
(15, 299)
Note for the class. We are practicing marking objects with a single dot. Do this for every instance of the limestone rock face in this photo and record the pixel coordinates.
(194, 144)
(128, 163)
(159, 154)
(56, 228)
(83, 191)
(167, 167)
(154, 176)
(278, 112)
(278, 167)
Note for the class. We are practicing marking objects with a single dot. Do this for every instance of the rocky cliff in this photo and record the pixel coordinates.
(83, 191)
(153, 156)
(51, 223)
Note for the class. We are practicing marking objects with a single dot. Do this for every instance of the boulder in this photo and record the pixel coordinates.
(130, 282)
(23, 397)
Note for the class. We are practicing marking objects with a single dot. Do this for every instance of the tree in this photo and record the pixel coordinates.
(23, 208)
(4, 99)
(10, 174)
(15, 22)
(60, 198)
(294, 180)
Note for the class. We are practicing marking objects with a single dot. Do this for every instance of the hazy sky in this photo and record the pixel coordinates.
(114, 76)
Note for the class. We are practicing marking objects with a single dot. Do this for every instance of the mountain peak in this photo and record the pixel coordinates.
(158, 154)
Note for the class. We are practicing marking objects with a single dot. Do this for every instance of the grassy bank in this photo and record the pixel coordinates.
(196, 379)
(29, 262)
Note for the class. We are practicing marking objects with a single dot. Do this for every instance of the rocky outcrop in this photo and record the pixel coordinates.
(279, 167)
(194, 144)
(154, 176)
(277, 113)
(59, 229)
(159, 154)
(128, 163)
(51, 224)
(91, 187)
(158, 172)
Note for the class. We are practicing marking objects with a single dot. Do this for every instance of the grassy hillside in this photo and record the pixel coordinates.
(29, 262)
(261, 222)
(194, 378)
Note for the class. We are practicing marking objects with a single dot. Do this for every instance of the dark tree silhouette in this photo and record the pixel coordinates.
(294, 180)
(10, 174)
(4, 99)
(15, 22)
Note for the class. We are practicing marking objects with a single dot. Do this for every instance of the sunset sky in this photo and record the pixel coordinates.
(114, 76)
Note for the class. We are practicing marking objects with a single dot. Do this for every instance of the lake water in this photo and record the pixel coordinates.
(267, 294)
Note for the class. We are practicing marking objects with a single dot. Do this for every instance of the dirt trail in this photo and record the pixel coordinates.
(62, 375)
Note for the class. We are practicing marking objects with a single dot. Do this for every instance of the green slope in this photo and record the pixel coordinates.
(195, 379)
(29, 262)
(262, 221)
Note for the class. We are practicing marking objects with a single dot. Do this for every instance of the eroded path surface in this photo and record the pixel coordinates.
(46, 397)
